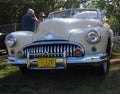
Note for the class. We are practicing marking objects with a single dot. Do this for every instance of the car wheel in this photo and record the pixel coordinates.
(104, 68)
(23, 69)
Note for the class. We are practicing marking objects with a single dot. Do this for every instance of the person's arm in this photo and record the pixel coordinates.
(36, 20)
(34, 16)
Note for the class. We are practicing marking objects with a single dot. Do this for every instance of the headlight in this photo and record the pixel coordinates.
(10, 40)
(93, 36)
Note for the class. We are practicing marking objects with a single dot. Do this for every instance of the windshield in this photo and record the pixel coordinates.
(86, 15)
(60, 14)
(77, 14)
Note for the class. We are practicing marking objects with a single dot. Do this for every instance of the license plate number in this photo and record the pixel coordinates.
(47, 62)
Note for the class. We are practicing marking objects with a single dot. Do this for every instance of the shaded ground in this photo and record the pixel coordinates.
(77, 81)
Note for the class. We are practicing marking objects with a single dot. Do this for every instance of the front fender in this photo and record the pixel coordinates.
(23, 38)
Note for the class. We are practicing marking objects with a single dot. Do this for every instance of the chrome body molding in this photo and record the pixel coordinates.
(61, 63)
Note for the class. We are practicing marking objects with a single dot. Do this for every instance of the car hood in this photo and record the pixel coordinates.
(65, 28)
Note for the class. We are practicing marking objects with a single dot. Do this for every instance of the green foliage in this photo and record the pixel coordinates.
(113, 12)
(114, 23)
(11, 11)
(116, 54)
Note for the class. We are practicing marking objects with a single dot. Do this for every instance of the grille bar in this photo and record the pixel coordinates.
(53, 50)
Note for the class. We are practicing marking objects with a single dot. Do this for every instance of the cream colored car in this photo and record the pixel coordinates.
(66, 38)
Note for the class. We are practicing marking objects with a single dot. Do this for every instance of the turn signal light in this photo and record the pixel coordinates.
(78, 52)
(20, 54)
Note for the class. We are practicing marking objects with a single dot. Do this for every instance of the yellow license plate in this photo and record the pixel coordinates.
(47, 62)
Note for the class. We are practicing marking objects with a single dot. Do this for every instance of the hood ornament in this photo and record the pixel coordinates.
(48, 36)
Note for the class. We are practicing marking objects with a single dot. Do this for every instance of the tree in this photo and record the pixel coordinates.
(11, 11)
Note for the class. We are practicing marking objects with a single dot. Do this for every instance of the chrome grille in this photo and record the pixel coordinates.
(50, 50)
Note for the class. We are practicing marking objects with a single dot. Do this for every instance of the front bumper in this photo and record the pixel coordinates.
(61, 63)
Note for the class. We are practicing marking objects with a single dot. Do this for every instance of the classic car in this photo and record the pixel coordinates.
(3, 49)
(68, 37)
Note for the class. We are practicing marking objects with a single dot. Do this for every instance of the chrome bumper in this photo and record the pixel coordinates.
(60, 62)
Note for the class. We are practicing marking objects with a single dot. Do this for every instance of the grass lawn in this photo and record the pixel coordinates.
(79, 81)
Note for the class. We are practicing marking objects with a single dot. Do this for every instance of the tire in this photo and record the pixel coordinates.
(23, 69)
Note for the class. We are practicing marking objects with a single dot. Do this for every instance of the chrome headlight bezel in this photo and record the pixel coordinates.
(93, 36)
(10, 40)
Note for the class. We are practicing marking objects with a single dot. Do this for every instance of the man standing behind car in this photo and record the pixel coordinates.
(29, 20)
